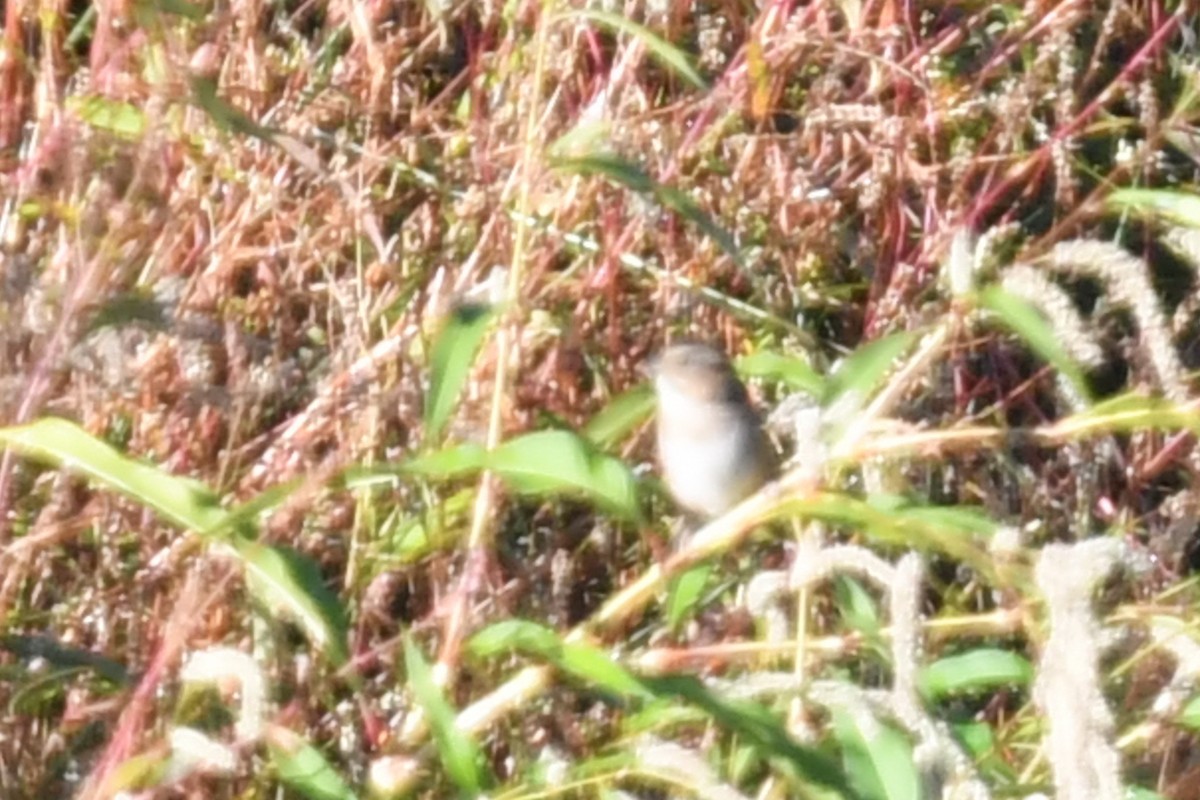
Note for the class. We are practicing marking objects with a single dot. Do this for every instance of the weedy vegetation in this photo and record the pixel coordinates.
(326, 460)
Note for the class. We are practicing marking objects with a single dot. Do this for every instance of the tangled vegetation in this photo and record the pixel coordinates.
(327, 470)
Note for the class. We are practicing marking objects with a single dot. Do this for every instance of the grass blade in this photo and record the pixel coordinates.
(667, 54)
(1024, 320)
(459, 754)
(301, 767)
(454, 351)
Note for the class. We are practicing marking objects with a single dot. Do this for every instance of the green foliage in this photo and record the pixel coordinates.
(459, 754)
(1024, 320)
(454, 351)
(878, 758)
(979, 670)
(302, 768)
(286, 582)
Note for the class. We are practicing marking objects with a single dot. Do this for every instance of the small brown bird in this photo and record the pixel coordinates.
(711, 443)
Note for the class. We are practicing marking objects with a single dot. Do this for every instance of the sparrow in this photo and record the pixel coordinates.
(711, 445)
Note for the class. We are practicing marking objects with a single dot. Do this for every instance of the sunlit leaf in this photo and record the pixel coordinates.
(289, 584)
(661, 50)
(301, 767)
(182, 501)
(792, 371)
(562, 462)
(878, 758)
(627, 174)
(1129, 412)
(862, 372)
(459, 754)
(758, 726)
(685, 593)
(617, 419)
(584, 662)
(454, 351)
(1182, 208)
(978, 670)
(1023, 319)
(117, 117)
(960, 535)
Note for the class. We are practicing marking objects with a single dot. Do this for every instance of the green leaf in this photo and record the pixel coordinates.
(301, 767)
(289, 585)
(459, 754)
(1026, 321)
(583, 662)
(667, 54)
(455, 461)
(181, 501)
(877, 758)
(759, 727)
(227, 117)
(627, 174)
(858, 608)
(1189, 715)
(454, 351)
(954, 531)
(62, 655)
(622, 414)
(562, 462)
(1182, 208)
(685, 593)
(122, 119)
(983, 669)
(792, 371)
(862, 371)
(1130, 412)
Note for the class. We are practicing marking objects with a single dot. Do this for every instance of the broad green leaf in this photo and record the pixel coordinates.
(877, 758)
(622, 414)
(759, 727)
(289, 585)
(861, 373)
(122, 119)
(792, 371)
(301, 767)
(685, 593)
(1026, 321)
(977, 670)
(454, 351)
(661, 50)
(562, 462)
(979, 738)
(1182, 208)
(459, 754)
(627, 174)
(181, 501)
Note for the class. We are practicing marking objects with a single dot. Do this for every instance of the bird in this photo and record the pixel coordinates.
(712, 448)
